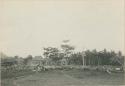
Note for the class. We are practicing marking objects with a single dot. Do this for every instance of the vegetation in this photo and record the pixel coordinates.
(79, 68)
(66, 54)
(92, 58)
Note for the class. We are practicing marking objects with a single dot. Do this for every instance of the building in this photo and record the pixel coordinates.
(36, 61)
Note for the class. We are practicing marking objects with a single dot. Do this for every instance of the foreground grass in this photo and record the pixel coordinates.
(8, 77)
(74, 77)
(15, 73)
(97, 77)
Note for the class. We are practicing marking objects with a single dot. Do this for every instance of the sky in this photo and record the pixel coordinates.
(26, 26)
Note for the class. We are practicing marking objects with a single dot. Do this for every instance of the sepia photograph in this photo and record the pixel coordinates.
(62, 43)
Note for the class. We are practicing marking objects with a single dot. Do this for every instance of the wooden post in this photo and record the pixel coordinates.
(123, 55)
(83, 61)
(83, 58)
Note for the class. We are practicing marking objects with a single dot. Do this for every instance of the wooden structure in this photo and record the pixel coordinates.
(83, 59)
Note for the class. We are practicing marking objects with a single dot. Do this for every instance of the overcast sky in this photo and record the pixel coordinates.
(28, 26)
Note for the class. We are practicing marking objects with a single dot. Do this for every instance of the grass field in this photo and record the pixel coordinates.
(66, 78)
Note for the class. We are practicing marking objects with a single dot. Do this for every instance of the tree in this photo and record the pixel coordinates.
(27, 59)
(119, 54)
(95, 58)
(67, 49)
(117, 59)
(52, 53)
(76, 59)
(16, 57)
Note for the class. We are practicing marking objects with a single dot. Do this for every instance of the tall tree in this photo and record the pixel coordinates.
(76, 59)
(67, 49)
(52, 53)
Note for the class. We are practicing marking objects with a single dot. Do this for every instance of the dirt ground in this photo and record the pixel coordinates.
(66, 78)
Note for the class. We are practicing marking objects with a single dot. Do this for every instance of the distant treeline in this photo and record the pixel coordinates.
(66, 56)
(92, 58)
(95, 58)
